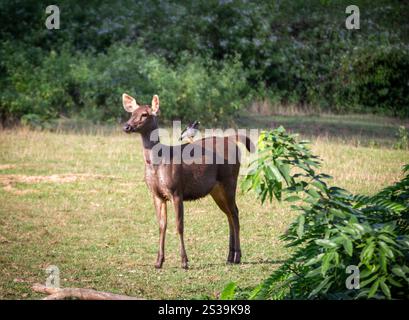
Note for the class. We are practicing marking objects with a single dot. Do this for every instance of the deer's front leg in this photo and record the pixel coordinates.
(161, 214)
(178, 203)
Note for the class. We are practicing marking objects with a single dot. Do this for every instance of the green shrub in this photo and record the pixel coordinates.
(91, 85)
(194, 88)
(38, 83)
(377, 79)
(334, 230)
(403, 138)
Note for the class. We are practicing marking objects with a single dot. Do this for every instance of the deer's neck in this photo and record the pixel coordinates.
(149, 140)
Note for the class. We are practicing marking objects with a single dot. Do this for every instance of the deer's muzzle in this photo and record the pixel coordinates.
(127, 128)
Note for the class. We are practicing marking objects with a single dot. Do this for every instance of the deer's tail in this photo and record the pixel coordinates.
(247, 142)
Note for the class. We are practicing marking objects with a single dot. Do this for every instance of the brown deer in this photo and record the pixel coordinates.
(177, 181)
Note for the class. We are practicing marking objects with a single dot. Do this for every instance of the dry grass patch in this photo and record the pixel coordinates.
(9, 180)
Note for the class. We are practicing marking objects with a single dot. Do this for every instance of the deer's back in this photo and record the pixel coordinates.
(220, 163)
(204, 164)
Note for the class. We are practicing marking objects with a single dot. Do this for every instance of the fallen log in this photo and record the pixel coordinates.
(78, 293)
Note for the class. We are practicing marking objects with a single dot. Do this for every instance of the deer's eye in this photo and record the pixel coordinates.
(144, 115)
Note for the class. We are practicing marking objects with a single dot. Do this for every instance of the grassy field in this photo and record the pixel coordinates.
(78, 201)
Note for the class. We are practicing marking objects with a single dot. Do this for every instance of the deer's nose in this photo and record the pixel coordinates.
(127, 128)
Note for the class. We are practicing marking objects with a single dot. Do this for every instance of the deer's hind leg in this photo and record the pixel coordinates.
(220, 196)
(179, 211)
(236, 226)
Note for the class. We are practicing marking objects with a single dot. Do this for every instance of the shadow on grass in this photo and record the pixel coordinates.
(212, 265)
(364, 129)
(243, 263)
(354, 128)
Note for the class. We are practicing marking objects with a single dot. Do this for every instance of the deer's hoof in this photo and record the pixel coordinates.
(237, 257)
(159, 262)
(230, 257)
(185, 263)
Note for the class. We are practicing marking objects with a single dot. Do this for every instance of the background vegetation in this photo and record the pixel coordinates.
(206, 59)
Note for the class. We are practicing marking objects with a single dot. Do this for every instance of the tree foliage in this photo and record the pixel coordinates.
(292, 52)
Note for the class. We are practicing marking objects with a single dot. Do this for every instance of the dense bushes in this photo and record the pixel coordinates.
(374, 79)
(90, 85)
(334, 230)
(192, 87)
(201, 56)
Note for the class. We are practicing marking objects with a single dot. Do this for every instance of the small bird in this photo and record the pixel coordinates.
(190, 131)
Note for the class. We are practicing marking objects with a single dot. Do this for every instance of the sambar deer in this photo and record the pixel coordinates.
(178, 181)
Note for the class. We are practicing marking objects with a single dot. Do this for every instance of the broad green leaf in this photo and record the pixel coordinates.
(317, 289)
(276, 173)
(359, 227)
(326, 262)
(320, 185)
(363, 284)
(383, 261)
(300, 228)
(338, 213)
(285, 172)
(326, 243)
(394, 282)
(347, 243)
(292, 198)
(228, 291)
(313, 272)
(314, 260)
(366, 273)
(373, 289)
(313, 193)
(398, 271)
(386, 249)
(387, 239)
(366, 254)
(385, 289)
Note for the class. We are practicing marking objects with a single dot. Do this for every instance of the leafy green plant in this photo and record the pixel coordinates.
(373, 79)
(403, 139)
(228, 292)
(90, 86)
(35, 121)
(335, 229)
(279, 153)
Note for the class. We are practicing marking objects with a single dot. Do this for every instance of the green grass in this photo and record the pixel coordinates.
(100, 228)
(366, 130)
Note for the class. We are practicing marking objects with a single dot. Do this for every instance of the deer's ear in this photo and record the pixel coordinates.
(129, 103)
(155, 105)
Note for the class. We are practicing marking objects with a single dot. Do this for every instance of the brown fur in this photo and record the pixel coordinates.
(184, 182)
